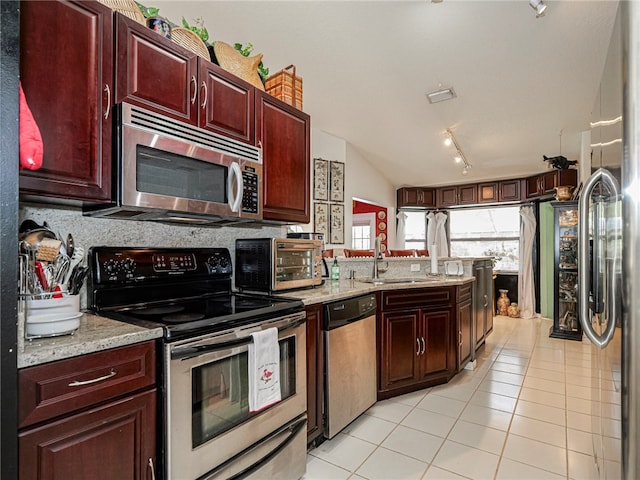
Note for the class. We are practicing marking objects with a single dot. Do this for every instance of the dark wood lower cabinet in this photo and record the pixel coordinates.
(417, 339)
(315, 373)
(116, 440)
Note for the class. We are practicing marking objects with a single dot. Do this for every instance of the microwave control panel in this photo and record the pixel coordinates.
(250, 199)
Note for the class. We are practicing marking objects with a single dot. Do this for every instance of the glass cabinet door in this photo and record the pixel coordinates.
(565, 321)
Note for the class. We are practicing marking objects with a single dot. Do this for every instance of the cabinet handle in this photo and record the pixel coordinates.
(424, 345)
(486, 301)
(195, 88)
(206, 94)
(460, 335)
(153, 471)
(94, 380)
(108, 110)
(418, 342)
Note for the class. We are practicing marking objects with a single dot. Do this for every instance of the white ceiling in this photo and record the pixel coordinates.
(366, 66)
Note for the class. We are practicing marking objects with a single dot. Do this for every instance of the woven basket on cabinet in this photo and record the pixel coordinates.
(127, 8)
(190, 40)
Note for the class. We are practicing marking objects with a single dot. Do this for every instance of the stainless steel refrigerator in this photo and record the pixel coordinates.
(609, 255)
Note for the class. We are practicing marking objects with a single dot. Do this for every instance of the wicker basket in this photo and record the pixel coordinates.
(190, 40)
(286, 86)
(127, 8)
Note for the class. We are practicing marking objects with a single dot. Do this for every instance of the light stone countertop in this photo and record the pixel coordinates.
(95, 333)
(338, 289)
(98, 333)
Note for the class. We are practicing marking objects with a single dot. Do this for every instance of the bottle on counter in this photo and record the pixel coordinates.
(335, 269)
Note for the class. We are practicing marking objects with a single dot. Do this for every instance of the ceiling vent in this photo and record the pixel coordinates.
(441, 95)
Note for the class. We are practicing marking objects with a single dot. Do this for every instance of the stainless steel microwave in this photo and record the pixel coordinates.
(174, 172)
(272, 264)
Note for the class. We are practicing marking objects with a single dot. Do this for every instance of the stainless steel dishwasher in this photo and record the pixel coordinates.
(350, 360)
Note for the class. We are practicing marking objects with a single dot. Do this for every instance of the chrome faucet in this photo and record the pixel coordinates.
(377, 255)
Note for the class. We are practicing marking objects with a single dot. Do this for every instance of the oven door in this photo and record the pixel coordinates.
(208, 423)
(297, 263)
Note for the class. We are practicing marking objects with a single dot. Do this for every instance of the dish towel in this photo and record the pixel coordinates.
(264, 369)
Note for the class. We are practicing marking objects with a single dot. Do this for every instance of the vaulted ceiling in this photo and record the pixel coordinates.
(525, 86)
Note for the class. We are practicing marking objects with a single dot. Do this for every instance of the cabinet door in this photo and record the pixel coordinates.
(548, 182)
(465, 339)
(284, 134)
(509, 191)
(468, 194)
(488, 192)
(116, 440)
(155, 73)
(315, 372)
(567, 177)
(399, 349)
(447, 196)
(67, 75)
(436, 332)
(226, 103)
(533, 188)
(416, 197)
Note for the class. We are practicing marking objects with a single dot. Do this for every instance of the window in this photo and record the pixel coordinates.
(478, 232)
(362, 230)
(415, 230)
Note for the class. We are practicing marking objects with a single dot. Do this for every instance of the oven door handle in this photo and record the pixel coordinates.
(290, 432)
(187, 353)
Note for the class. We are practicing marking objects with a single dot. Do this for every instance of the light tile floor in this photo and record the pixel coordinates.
(523, 413)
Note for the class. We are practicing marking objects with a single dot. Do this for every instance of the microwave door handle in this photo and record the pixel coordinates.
(235, 201)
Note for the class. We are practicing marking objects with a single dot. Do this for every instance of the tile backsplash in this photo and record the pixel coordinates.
(88, 232)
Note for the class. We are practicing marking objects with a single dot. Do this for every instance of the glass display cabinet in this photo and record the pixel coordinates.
(565, 272)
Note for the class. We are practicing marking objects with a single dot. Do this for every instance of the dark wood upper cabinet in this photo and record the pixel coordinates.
(283, 132)
(545, 183)
(421, 197)
(488, 192)
(155, 73)
(509, 190)
(467, 194)
(447, 196)
(66, 58)
(226, 103)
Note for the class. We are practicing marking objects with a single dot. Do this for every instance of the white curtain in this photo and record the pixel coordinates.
(526, 292)
(437, 233)
(400, 230)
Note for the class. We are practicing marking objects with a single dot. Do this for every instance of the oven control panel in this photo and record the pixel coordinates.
(113, 265)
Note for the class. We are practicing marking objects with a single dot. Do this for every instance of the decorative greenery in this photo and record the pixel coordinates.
(148, 11)
(199, 28)
(500, 254)
(246, 51)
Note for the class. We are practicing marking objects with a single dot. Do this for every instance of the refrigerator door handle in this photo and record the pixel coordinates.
(601, 340)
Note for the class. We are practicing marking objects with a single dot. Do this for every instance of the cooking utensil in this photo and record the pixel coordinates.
(70, 245)
(41, 276)
(78, 255)
(77, 279)
(48, 249)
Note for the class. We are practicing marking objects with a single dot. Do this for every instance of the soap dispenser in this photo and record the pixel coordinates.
(335, 269)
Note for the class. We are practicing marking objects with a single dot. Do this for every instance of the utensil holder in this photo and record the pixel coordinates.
(50, 314)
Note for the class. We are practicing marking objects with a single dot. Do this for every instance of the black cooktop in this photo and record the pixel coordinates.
(187, 292)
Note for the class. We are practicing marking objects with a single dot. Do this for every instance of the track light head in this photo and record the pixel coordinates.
(539, 6)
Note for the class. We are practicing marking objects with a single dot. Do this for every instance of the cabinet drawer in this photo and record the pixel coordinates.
(417, 298)
(464, 292)
(57, 388)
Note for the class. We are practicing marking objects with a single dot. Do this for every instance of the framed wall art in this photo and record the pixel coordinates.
(336, 190)
(320, 179)
(336, 233)
(321, 218)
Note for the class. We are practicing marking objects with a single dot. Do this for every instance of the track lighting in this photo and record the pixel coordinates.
(450, 139)
(539, 6)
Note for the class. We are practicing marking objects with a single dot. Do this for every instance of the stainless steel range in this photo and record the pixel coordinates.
(208, 430)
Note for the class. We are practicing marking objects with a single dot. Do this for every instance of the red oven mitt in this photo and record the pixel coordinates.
(31, 146)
